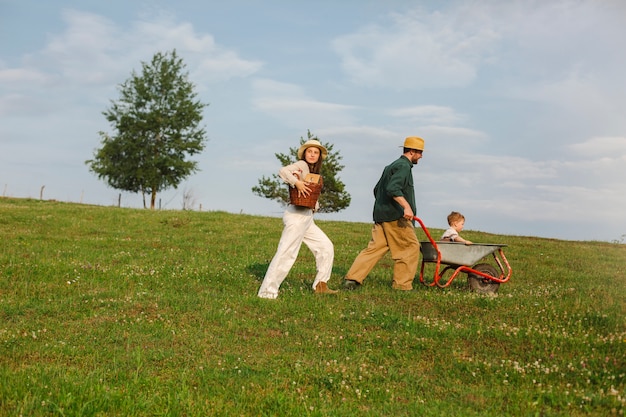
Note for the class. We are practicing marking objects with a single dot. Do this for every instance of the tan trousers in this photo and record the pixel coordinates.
(399, 238)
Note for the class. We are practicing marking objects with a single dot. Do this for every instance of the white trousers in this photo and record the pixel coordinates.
(299, 228)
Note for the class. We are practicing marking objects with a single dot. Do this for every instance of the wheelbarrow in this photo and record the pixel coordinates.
(457, 258)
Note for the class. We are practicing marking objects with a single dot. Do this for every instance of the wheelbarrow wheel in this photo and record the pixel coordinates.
(483, 285)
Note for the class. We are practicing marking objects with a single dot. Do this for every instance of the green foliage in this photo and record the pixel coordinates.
(333, 198)
(123, 312)
(156, 121)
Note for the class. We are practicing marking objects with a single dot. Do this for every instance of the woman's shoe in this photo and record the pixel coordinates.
(322, 288)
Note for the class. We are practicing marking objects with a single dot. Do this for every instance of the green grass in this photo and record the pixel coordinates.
(107, 311)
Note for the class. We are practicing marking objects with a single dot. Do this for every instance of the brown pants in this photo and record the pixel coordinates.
(399, 238)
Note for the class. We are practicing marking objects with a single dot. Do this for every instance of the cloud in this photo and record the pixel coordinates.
(363, 131)
(93, 50)
(455, 138)
(83, 64)
(430, 114)
(290, 104)
(226, 65)
(418, 50)
(11, 76)
(607, 147)
(16, 105)
(544, 54)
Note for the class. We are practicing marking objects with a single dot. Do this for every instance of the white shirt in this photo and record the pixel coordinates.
(451, 234)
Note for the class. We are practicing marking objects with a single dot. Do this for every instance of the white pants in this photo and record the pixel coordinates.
(299, 227)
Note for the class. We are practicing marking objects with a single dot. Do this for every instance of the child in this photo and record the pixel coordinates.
(456, 221)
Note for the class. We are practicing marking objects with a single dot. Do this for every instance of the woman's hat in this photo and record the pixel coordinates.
(414, 142)
(308, 144)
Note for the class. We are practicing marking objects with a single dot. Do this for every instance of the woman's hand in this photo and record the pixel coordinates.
(303, 190)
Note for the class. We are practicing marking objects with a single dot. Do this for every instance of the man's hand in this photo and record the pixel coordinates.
(408, 211)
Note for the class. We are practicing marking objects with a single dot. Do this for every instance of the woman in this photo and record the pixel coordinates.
(299, 227)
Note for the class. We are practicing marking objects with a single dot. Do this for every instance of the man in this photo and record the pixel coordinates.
(393, 230)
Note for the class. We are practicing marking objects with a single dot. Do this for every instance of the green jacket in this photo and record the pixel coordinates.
(395, 181)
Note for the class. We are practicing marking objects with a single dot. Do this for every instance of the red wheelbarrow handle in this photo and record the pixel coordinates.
(438, 264)
(430, 238)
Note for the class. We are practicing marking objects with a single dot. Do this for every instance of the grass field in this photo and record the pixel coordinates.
(123, 312)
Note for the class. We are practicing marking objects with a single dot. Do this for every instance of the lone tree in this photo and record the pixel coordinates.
(156, 122)
(333, 198)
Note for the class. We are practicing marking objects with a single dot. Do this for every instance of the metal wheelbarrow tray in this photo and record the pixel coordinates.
(461, 258)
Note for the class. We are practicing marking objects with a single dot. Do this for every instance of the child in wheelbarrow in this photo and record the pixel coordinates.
(456, 221)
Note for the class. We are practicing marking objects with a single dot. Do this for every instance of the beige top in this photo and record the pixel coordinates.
(294, 172)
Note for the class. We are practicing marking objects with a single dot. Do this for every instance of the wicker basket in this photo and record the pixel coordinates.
(306, 201)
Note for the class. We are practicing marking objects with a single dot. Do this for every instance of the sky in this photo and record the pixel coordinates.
(522, 104)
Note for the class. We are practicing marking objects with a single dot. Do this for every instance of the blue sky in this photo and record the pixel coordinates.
(521, 103)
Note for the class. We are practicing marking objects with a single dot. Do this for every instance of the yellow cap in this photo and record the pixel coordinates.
(414, 142)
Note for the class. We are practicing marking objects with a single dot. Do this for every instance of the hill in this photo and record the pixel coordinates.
(109, 311)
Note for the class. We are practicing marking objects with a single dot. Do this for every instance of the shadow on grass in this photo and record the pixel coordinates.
(258, 270)
(339, 271)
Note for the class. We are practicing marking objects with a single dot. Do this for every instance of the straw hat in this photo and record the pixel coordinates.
(413, 142)
(308, 144)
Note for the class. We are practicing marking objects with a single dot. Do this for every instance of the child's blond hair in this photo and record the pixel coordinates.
(454, 217)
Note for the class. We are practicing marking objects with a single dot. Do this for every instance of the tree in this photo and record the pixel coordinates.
(156, 120)
(333, 198)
